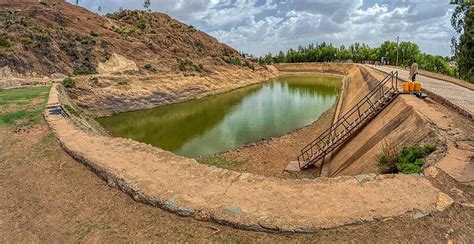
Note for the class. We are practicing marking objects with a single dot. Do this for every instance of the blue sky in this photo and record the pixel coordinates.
(262, 26)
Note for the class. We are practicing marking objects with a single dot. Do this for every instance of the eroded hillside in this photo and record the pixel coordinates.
(122, 61)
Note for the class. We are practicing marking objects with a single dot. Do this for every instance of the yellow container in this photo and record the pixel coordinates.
(411, 86)
(417, 86)
(406, 87)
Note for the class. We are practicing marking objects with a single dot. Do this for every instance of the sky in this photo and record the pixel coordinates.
(262, 26)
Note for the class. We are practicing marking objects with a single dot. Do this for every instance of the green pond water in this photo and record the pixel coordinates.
(229, 120)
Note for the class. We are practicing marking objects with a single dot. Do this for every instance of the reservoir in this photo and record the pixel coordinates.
(225, 121)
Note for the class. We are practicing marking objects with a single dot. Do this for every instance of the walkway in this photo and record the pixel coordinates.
(457, 95)
(243, 200)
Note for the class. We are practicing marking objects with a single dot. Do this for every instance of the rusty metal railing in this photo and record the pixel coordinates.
(347, 125)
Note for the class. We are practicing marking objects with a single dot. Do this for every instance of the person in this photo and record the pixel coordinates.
(413, 71)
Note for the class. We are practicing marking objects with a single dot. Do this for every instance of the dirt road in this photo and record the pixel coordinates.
(458, 95)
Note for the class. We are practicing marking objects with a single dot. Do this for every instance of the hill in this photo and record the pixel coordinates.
(106, 53)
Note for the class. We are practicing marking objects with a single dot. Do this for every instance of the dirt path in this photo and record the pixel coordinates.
(458, 95)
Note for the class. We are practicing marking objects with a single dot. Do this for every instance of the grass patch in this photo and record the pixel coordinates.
(409, 160)
(20, 96)
(27, 112)
(32, 117)
(71, 110)
(219, 161)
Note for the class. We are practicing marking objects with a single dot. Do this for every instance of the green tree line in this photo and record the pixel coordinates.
(462, 21)
(360, 53)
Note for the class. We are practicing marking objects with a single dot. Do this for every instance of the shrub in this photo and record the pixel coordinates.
(94, 34)
(183, 64)
(26, 41)
(83, 71)
(249, 65)
(94, 80)
(69, 82)
(408, 161)
(122, 82)
(147, 66)
(140, 24)
(234, 61)
(4, 42)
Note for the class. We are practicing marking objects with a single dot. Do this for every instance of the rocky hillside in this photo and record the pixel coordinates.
(57, 37)
(106, 53)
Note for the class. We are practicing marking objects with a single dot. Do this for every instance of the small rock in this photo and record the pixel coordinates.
(363, 178)
(234, 211)
(457, 191)
(431, 171)
(443, 201)
(293, 166)
(420, 215)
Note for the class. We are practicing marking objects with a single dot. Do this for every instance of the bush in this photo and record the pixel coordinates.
(140, 24)
(26, 41)
(249, 65)
(408, 161)
(94, 34)
(234, 61)
(69, 82)
(94, 80)
(83, 71)
(122, 82)
(4, 42)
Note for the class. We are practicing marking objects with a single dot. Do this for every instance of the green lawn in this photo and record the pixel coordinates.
(23, 106)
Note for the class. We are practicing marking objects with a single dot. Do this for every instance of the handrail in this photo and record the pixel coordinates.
(307, 152)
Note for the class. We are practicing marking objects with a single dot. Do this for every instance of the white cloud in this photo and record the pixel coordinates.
(261, 26)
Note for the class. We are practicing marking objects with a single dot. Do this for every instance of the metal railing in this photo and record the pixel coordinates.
(369, 106)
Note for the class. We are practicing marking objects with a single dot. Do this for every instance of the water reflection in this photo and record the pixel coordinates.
(232, 119)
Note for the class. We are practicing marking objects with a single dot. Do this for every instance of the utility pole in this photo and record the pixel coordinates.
(398, 45)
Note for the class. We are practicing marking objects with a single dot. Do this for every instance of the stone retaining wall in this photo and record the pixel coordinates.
(181, 185)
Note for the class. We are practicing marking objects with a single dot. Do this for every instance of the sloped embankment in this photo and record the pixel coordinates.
(400, 124)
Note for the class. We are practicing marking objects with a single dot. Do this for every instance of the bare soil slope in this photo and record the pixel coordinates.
(61, 37)
(123, 61)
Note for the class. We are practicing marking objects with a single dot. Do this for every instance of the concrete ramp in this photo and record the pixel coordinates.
(397, 126)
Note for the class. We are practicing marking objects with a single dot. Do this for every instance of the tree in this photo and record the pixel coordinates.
(408, 53)
(462, 21)
(147, 4)
(99, 9)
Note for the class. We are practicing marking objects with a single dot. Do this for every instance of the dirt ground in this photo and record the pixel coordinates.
(47, 196)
